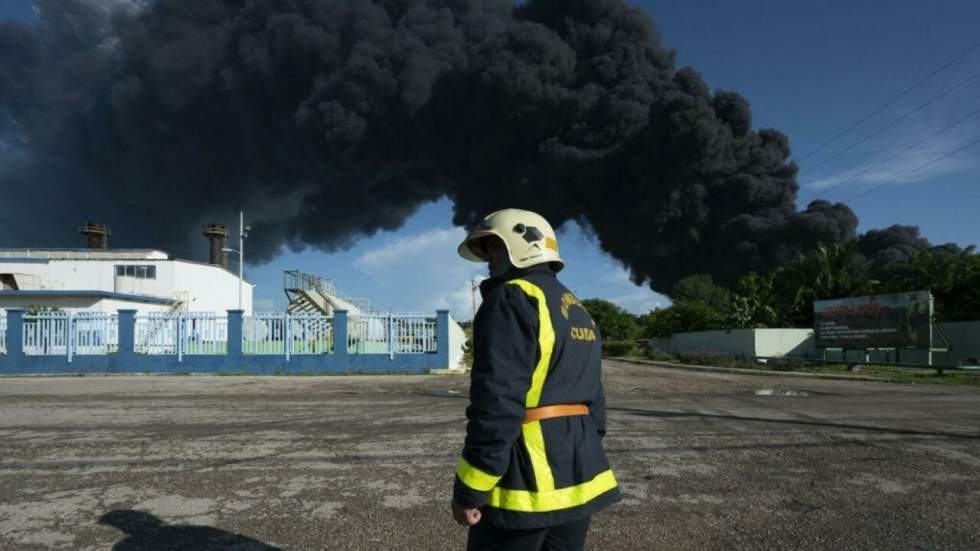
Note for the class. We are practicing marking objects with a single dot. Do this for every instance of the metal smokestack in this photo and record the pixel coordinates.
(97, 235)
(218, 235)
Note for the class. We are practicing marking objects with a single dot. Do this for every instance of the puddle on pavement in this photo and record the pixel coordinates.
(779, 392)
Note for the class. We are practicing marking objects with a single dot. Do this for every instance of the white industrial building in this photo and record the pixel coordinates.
(102, 279)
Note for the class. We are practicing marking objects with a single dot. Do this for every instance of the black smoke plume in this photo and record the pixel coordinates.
(327, 120)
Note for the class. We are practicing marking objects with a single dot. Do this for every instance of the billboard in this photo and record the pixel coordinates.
(877, 321)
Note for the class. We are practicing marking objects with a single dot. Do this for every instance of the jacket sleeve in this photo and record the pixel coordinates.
(598, 407)
(505, 347)
(598, 410)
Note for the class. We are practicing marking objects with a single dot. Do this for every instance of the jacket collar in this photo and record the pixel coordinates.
(488, 285)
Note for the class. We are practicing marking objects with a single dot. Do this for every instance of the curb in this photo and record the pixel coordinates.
(757, 372)
(448, 371)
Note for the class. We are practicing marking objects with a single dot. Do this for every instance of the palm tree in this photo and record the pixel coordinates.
(825, 272)
(953, 277)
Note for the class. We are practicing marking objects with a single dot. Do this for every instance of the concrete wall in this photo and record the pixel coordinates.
(964, 340)
(738, 341)
(735, 342)
(784, 342)
(211, 289)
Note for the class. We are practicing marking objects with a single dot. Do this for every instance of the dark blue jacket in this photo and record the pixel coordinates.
(534, 345)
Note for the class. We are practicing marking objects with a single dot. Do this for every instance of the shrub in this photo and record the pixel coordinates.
(785, 364)
(659, 356)
(619, 348)
(710, 358)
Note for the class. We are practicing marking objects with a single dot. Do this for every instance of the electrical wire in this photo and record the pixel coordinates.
(891, 101)
(878, 132)
(930, 163)
(899, 153)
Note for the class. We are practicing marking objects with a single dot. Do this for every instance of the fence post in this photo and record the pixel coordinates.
(70, 335)
(15, 333)
(180, 337)
(287, 334)
(127, 333)
(442, 339)
(235, 319)
(340, 333)
(391, 336)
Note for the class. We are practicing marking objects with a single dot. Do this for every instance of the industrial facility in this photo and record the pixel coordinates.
(101, 279)
(98, 309)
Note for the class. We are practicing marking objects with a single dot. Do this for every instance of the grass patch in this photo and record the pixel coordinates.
(909, 375)
(894, 374)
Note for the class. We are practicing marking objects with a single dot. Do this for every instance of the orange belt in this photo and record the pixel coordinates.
(557, 410)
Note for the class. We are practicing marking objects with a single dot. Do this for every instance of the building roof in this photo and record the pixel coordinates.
(47, 293)
(86, 254)
(33, 255)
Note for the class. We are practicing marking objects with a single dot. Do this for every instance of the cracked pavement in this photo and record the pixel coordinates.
(706, 461)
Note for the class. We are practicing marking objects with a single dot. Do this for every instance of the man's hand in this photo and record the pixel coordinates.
(465, 516)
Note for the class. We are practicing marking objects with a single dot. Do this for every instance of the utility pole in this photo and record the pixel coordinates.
(241, 254)
(473, 288)
(240, 251)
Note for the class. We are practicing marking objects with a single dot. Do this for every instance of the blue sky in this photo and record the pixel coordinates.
(808, 69)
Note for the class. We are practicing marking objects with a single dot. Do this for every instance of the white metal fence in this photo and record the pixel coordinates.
(391, 333)
(181, 333)
(3, 331)
(46, 333)
(205, 333)
(68, 334)
(94, 333)
(156, 333)
(414, 335)
(287, 334)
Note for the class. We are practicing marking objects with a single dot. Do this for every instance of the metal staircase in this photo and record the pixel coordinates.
(310, 294)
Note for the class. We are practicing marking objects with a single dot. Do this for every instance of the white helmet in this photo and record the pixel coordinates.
(528, 236)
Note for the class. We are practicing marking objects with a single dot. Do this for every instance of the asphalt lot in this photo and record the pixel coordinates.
(706, 462)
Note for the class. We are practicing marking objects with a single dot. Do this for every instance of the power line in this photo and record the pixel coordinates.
(899, 153)
(930, 163)
(891, 101)
(878, 132)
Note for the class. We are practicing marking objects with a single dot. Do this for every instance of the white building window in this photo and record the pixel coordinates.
(137, 271)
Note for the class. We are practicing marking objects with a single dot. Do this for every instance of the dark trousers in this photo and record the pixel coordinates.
(564, 537)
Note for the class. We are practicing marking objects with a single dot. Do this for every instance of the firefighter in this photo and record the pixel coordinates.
(532, 470)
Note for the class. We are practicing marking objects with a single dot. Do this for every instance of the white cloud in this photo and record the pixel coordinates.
(641, 301)
(616, 275)
(916, 166)
(424, 271)
(427, 266)
(462, 301)
(898, 162)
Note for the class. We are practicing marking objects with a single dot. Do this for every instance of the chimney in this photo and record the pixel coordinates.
(218, 235)
(97, 235)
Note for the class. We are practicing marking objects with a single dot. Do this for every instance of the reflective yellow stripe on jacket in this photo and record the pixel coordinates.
(561, 498)
(533, 436)
(475, 478)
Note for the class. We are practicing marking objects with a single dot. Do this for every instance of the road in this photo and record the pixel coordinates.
(706, 461)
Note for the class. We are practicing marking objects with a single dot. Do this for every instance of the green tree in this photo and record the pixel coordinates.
(825, 272)
(615, 323)
(754, 304)
(953, 277)
(680, 318)
(701, 288)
